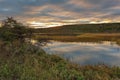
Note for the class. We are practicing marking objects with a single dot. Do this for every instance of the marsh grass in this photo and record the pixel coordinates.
(31, 63)
(86, 37)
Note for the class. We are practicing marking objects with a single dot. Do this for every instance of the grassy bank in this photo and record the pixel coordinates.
(27, 62)
(85, 37)
(80, 32)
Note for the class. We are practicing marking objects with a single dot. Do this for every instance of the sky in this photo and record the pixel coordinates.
(50, 13)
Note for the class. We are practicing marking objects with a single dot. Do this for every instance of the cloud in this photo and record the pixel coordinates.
(61, 11)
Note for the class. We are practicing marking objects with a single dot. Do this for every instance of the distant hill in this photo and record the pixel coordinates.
(82, 28)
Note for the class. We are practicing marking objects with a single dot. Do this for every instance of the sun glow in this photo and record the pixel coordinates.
(44, 25)
(38, 24)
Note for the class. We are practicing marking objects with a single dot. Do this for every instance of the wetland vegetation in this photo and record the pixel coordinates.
(21, 60)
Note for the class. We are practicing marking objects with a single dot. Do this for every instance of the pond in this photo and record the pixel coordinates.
(85, 53)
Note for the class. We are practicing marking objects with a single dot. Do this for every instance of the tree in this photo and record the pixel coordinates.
(12, 30)
(9, 22)
(13, 35)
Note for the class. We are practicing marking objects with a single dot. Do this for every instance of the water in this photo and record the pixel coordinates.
(84, 53)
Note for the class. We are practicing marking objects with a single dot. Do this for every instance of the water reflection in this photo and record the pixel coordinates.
(86, 53)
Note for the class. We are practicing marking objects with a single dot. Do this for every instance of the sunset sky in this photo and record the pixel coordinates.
(49, 13)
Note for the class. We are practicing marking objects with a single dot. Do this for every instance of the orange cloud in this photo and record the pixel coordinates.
(81, 3)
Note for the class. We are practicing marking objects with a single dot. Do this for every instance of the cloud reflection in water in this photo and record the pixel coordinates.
(86, 53)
